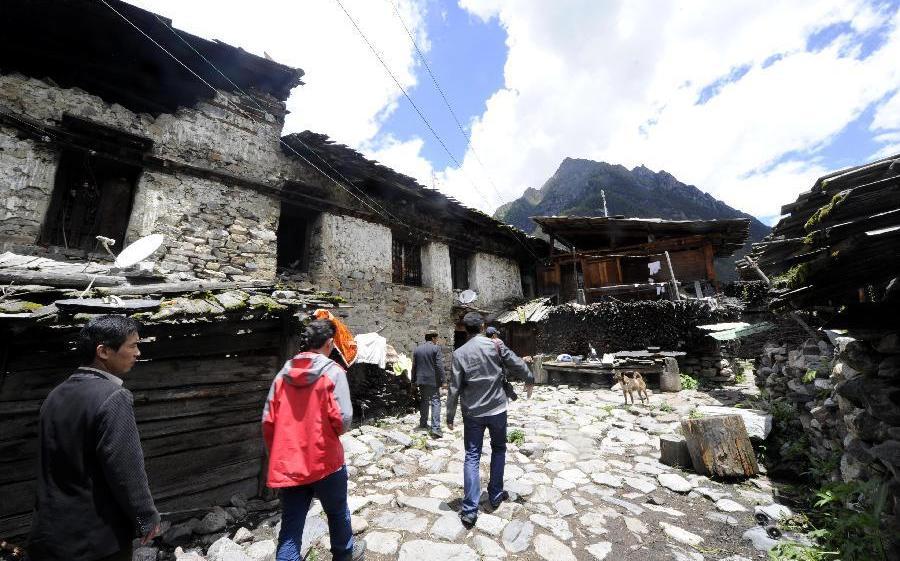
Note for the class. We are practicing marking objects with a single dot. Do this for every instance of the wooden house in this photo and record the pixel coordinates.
(634, 258)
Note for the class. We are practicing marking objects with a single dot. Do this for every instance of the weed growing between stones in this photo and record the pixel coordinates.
(516, 436)
(666, 408)
(688, 382)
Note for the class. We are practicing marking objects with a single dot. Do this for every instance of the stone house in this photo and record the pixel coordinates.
(148, 129)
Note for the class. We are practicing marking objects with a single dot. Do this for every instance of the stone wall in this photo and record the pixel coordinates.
(212, 230)
(494, 278)
(27, 170)
(436, 266)
(847, 399)
(343, 247)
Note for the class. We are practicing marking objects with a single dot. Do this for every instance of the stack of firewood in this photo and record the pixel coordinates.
(613, 325)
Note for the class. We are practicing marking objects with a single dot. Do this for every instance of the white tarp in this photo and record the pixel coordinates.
(371, 348)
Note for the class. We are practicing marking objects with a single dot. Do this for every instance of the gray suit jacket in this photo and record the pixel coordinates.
(476, 380)
(428, 365)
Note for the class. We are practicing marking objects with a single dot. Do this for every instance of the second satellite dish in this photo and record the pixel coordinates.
(468, 296)
(138, 251)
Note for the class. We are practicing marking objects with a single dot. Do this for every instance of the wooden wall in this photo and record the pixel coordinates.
(199, 391)
(610, 270)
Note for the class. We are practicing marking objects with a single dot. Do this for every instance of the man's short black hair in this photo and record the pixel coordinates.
(431, 335)
(109, 331)
(473, 321)
(318, 332)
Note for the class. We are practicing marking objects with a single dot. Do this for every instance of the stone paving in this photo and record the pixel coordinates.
(584, 479)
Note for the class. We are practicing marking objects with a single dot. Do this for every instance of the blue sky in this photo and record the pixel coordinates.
(467, 56)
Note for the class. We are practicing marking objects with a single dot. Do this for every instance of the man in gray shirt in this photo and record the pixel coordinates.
(428, 375)
(476, 383)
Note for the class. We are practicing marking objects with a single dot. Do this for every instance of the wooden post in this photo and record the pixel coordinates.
(672, 277)
(719, 446)
(758, 271)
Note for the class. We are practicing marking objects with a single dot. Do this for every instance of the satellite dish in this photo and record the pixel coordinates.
(138, 251)
(468, 296)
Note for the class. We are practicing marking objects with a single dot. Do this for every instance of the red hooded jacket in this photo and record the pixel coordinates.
(307, 409)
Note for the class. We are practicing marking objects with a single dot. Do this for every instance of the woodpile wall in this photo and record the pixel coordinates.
(616, 326)
(198, 391)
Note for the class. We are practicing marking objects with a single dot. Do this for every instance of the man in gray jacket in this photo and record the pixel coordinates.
(428, 375)
(477, 383)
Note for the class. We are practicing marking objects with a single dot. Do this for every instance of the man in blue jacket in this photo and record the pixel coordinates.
(92, 492)
(428, 375)
(476, 382)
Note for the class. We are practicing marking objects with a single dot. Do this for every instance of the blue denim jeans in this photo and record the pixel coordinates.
(473, 439)
(332, 493)
(430, 397)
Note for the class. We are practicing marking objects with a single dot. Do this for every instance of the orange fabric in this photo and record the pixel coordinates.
(343, 339)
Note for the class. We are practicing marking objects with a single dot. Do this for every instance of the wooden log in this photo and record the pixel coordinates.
(75, 280)
(719, 446)
(183, 287)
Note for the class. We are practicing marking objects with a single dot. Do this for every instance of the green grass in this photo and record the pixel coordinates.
(809, 376)
(516, 436)
(688, 382)
(694, 414)
(666, 408)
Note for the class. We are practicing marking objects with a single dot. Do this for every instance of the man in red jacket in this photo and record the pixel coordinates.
(308, 408)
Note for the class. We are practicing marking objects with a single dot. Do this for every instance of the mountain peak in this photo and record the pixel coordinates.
(575, 190)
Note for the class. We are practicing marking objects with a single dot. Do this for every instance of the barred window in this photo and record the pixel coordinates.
(407, 263)
(459, 270)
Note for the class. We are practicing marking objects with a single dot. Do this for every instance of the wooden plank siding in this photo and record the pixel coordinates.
(198, 389)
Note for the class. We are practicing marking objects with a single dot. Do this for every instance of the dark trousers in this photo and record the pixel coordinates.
(332, 493)
(473, 439)
(430, 398)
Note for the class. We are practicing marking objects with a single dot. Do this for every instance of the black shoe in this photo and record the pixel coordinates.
(436, 434)
(468, 520)
(421, 428)
(503, 496)
(359, 550)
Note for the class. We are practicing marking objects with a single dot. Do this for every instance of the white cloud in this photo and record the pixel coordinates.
(583, 79)
(347, 94)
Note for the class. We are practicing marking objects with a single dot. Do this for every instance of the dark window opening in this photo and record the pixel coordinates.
(294, 229)
(92, 197)
(407, 263)
(459, 270)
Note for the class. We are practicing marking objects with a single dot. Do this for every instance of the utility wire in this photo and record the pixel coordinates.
(385, 214)
(422, 116)
(409, 99)
(215, 91)
(440, 90)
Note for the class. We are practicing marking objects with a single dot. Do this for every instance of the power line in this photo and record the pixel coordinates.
(384, 213)
(409, 99)
(440, 90)
(387, 214)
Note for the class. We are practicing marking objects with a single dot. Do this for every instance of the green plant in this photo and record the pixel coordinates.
(694, 414)
(796, 552)
(688, 382)
(313, 554)
(666, 408)
(420, 442)
(824, 211)
(809, 376)
(782, 411)
(516, 436)
(608, 408)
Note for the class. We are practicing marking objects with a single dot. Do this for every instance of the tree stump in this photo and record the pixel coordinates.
(719, 446)
(670, 378)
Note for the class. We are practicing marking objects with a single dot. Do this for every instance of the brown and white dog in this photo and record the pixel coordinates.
(631, 381)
